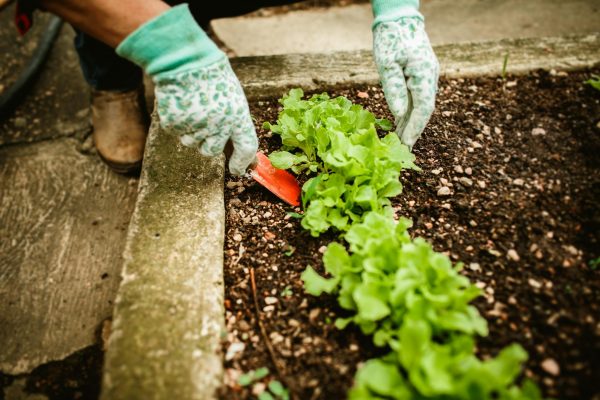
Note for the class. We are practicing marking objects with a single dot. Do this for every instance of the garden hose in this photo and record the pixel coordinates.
(10, 97)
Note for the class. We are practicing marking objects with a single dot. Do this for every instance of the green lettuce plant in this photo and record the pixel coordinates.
(411, 299)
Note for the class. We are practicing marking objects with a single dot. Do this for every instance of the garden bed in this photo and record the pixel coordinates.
(519, 159)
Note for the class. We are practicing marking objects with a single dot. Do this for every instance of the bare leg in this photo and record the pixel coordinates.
(109, 21)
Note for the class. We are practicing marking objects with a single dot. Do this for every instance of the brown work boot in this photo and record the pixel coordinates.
(120, 122)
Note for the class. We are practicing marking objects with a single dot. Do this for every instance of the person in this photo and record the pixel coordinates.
(198, 95)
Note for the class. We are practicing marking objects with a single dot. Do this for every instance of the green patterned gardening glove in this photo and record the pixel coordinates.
(198, 95)
(406, 64)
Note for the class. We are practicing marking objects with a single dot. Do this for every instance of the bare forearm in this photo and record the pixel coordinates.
(109, 21)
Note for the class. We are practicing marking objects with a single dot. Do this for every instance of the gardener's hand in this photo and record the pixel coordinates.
(407, 66)
(198, 95)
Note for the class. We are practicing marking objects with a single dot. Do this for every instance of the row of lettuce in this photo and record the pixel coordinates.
(409, 298)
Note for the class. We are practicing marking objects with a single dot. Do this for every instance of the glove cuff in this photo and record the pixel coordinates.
(392, 10)
(169, 43)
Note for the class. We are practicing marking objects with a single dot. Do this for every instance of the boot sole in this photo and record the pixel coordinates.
(129, 169)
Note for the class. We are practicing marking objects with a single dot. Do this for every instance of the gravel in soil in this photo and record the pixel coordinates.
(509, 185)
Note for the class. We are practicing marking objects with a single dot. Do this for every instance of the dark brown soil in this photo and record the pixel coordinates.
(521, 160)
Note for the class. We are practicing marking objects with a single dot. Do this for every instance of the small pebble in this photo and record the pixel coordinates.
(551, 366)
(513, 255)
(443, 191)
(237, 237)
(468, 171)
(518, 182)
(534, 284)
(271, 300)
(466, 181)
(458, 169)
(538, 131)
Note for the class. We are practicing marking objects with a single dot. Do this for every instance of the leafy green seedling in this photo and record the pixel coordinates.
(265, 396)
(279, 390)
(253, 376)
(594, 82)
(287, 291)
(594, 264)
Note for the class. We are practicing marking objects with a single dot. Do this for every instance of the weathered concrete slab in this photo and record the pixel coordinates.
(168, 317)
(349, 28)
(271, 76)
(63, 220)
(57, 103)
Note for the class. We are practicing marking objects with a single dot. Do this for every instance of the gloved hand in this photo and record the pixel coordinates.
(406, 64)
(198, 95)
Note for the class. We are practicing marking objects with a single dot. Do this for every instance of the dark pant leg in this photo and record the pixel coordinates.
(103, 68)
(204, 13)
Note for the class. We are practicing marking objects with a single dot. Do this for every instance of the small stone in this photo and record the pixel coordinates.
(436, 171)
(538, 131)
(518, 182)
(269, 308)
(512, 300)
(233, 349)
(476, 145)
(474, 267)
(551, 366)
(466, 181)
(237, 237)
(511, 84)
(20, 122)
(268, 214)
(314, 314)
(271, 300)
(270, 235)
(473, 223)
(494, 252)
(446, 113)
(572, 250)
(497, 130)
(513, 255)
(322, 249)
(362, 95)
(232, 185)
(469, 171)
(258, 388)
(458, 169)
(534, 284)
(444, 191)
(444, 182)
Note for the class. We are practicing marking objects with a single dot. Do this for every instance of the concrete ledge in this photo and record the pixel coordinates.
(168, 316)
(271, 75)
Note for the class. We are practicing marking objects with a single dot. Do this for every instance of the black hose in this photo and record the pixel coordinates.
(11, 96)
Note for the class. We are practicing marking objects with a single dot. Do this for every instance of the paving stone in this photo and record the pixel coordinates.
(349, 28)
(57, 102)
(63, 220)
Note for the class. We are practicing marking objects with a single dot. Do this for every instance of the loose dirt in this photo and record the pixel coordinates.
(519, 159)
